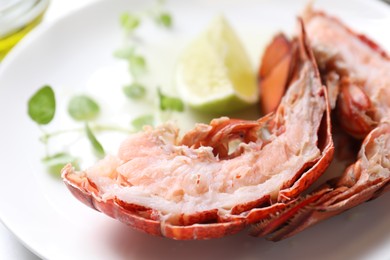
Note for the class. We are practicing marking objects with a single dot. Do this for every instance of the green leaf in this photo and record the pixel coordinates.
(42, 105)
(137, 64)
(160, 16)
(97, 147)
(83, 108)
(139, 122)
(124, 53)
(56, 162)
(134, 91)
(164, 19)
(129, 22)
(170, 103)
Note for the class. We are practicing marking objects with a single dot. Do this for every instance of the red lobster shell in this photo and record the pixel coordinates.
(357, 74)
(196, 187)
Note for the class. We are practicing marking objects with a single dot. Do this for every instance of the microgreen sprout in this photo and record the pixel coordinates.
(136, 62)
(83, 108)
(160, 15)
(164, 19)
(170, 103)
(42, 106)
(139, 122)
(96, 145)
(129, 22)
(56, 162)
(134, 91)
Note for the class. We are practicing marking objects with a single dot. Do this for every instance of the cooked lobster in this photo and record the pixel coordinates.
(201, 186)
(356, 72)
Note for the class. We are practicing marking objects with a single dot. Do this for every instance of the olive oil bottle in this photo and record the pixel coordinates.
(17, 18)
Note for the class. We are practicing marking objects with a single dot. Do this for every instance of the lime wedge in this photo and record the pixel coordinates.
(214, 73)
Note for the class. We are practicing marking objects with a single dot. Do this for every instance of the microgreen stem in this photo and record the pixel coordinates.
(46, 136)
(44, 139)
(103, 128)
(96, 128)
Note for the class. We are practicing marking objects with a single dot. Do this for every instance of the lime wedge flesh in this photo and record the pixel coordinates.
(214, 73)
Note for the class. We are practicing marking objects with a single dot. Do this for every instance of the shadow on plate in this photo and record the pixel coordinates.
(353, 234)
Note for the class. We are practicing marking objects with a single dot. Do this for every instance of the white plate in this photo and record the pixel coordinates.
(41, 212)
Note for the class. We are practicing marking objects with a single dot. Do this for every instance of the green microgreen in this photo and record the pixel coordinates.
(83, 108)
(136, 62)
(137, 65)
(161, 16)
(164, 19)
(139, 122)
(56, 162)
(129, 22)
(170, 103)
(124, 53)
(42, 106)
(96, 145)
(134, 91)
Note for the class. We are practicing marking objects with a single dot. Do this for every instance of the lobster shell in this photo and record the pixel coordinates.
(213, 223)
(354, 76)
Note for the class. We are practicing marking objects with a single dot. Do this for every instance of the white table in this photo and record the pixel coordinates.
(10, 247)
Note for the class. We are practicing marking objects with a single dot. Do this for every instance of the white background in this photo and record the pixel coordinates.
(10, 247)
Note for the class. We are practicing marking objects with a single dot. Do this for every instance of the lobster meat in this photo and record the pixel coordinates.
(201, 186)
(356, 72)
